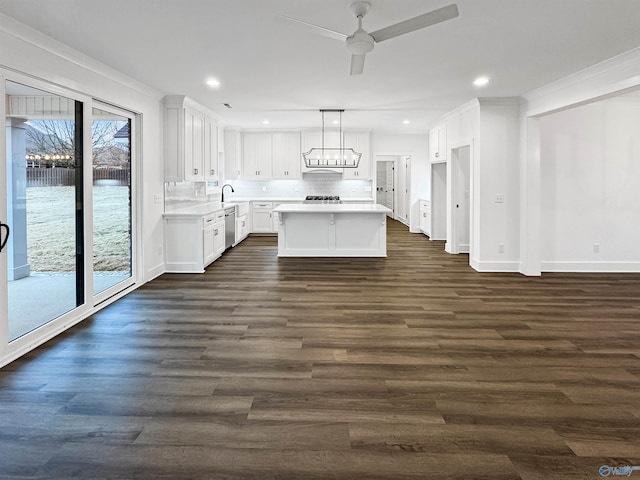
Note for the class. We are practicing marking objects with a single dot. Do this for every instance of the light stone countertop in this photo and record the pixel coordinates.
(332, 208)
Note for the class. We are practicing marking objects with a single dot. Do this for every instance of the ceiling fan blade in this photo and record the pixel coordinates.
(357, 64)
(316, 28)
(416, 23)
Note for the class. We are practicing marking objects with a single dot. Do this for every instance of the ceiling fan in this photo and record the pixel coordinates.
(360, 42)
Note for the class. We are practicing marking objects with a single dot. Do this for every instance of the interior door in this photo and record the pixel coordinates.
(461, 198)
(389, 187)
(439, 201)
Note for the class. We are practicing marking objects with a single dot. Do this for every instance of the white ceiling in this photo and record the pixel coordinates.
(270, 69)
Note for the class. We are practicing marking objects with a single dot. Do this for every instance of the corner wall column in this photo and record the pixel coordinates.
(530, 191)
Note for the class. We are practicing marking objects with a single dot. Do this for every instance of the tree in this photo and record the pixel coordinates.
(52, 140)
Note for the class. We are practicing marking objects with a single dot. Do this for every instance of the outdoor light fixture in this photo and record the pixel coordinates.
(331, 157)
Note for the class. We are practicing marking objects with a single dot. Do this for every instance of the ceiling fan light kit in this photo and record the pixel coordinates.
(361, 42)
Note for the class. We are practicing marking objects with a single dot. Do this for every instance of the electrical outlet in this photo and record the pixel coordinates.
(501, 248)
(596, 248)
(264, 189)
(157, 198)
(500, 198)
(296, 188)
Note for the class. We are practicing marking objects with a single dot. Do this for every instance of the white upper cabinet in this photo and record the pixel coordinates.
(191, 141)
(438, 144)
(360, 142)
(211, 154)
(257, 155)
(287, 156)
(232, 154)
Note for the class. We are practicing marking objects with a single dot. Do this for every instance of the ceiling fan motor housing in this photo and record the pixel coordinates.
(360, 42)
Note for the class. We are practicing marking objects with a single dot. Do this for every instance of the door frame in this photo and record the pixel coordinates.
(393, 163)
(397, 156)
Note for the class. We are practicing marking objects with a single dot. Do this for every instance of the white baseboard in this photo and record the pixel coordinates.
(154, 272)
(609, 267)
(494, 266)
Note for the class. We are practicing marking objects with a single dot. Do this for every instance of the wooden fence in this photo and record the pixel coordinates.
(66, 177)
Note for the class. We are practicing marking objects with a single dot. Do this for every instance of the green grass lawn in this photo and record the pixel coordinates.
(51, 228)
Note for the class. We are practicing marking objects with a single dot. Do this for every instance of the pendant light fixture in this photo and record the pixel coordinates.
(331, 157)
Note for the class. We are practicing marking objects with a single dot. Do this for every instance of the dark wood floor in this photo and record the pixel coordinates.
(413, 366)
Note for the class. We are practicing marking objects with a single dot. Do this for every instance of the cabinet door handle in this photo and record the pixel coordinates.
(195, 171)
(215, 232)
(213, 172)
(437, 154)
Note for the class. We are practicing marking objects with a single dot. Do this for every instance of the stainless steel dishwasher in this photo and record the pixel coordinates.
(229, 227)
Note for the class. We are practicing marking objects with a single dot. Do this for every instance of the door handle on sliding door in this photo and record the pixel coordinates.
(3, 241)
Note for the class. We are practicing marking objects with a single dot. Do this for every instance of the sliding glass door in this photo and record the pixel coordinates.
(45, 209)
(67, 208)
(111, 134)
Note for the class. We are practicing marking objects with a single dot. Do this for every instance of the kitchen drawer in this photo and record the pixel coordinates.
(263, 205)
(212, 218)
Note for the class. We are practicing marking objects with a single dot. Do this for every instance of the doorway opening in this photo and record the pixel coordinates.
(385, 185)
(394, 172)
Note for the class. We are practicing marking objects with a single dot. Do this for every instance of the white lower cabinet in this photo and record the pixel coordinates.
(192, 242)
(242, 228)
(213, 237)
(262, 217)
(425, 217)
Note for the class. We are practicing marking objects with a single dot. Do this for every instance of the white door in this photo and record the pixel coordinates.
(461, 158)
(403, 190)
(439, 201)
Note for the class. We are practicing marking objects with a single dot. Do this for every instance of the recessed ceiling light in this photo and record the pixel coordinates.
(335, 122)
(481, 81)
(213, 82)
(265, 122)
(406, 122)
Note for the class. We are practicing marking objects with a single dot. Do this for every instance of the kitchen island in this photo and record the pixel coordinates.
(332, 230)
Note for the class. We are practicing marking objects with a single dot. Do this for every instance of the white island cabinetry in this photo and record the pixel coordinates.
(332, 230)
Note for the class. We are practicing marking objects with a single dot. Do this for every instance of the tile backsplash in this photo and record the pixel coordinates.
(180, 195)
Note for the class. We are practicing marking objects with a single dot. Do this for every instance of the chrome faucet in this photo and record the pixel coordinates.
(226, 185)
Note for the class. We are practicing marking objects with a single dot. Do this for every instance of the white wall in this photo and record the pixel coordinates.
(491, 127)
(416, 145)
(607, 79)
(497, 173)
(590, 184)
